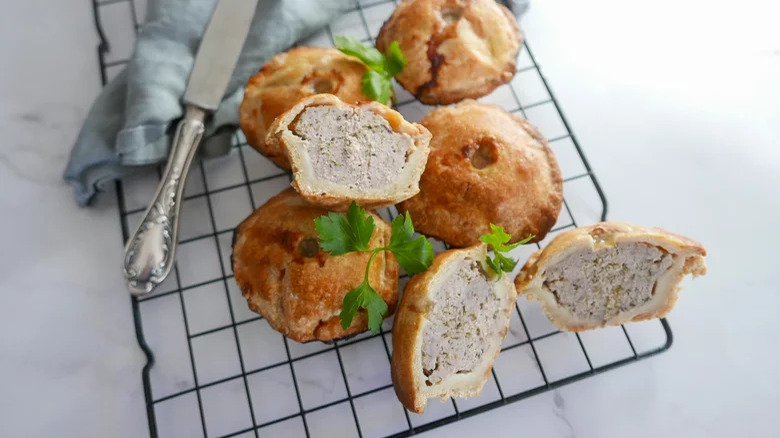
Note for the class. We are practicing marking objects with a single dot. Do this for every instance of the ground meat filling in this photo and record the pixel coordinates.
(463, 325)
(599, 285)
(352, 146)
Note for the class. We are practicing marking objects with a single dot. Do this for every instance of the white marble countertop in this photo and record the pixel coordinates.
(675, 104)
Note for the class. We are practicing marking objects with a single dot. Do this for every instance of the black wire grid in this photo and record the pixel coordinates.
(216, 369)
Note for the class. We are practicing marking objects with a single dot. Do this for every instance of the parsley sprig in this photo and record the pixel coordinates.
(377, 82)
(498, 239)
(341, 234)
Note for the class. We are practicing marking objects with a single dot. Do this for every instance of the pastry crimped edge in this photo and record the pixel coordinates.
(688, 259)
(408, 327)
(338, 198)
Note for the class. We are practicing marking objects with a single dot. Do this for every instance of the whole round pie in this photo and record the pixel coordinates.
(297, 287)
(485, 166)
(456, 49)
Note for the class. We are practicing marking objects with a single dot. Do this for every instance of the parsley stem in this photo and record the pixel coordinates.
(368, 265)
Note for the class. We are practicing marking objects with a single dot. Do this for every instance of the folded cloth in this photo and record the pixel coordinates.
(131, 122)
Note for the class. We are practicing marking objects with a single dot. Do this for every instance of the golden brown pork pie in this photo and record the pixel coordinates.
(341, 152)
(609, 273)
(297, 287)
(456, 49)
(449, 328)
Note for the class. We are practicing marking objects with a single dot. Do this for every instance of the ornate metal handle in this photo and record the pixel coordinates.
(151, 250)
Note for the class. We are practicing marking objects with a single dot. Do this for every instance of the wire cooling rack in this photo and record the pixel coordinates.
(216, 369)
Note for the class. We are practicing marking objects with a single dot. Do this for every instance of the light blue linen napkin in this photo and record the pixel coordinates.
(131, 123)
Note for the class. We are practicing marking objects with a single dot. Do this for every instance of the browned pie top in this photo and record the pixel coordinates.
(485, 165)
(456, 49)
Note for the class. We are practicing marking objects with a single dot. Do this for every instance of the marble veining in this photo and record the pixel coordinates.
(559, 409)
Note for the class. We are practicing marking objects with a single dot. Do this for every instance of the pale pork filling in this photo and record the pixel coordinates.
(465, 323)
(352, 146)
(599, 285)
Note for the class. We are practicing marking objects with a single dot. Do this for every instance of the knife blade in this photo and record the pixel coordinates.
(218, 52)
(151, 249)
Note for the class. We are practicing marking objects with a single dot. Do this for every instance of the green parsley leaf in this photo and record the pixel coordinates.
(498, 239)
(377, 86)
(340, 234)
(366, 297)
(414, 256)
(505, 263)
(495, 265)
(396, 61)
(361, 224)
(332, 232)
(370, 56)
(377, 82)
(376, 308)
(352, 301)
(402, 229)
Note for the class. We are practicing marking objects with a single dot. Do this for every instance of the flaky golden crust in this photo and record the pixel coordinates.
(296, 286)
(688, 255)
(519, 187)
(289, 77)
(406, 329)
(456, 49)
(280, 137)
(416, 302)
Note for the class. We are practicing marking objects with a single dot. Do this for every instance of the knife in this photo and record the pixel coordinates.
(151, 249)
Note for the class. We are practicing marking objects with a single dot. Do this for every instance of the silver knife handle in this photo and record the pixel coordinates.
(150, 251)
